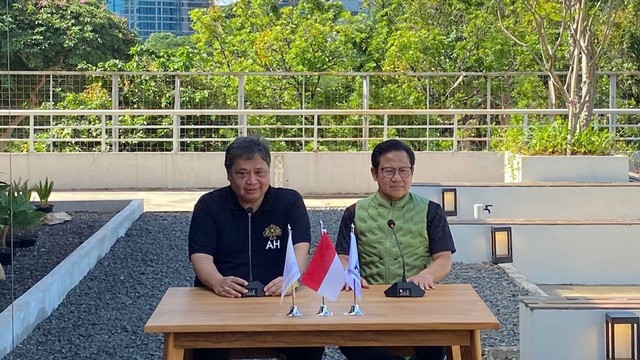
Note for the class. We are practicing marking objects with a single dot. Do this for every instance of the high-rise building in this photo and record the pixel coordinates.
(147, 17)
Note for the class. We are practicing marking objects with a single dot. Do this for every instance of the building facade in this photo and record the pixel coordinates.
(147, 17)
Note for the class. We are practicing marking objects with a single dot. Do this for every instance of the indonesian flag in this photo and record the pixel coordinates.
(291, 271)
(352, 273)
(325, 274)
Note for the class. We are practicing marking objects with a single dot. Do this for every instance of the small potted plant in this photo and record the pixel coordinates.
(18, 218)
(43, 190)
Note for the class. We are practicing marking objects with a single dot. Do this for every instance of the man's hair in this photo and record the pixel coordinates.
(389, 146)
(246, 148)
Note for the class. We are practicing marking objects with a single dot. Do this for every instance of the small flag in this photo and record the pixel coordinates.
(291, 271)
(352, 273)
(325, 274)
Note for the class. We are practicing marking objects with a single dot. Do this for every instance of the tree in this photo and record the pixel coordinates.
(571, 35)
(61, 34)
(57, 35)
(167, 41)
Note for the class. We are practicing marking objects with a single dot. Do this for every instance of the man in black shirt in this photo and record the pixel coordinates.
(223, 257)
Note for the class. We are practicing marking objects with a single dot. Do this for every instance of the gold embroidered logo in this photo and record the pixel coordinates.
(272, 232)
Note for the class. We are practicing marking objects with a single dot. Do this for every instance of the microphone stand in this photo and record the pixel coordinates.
(254, 288)
(402, 288)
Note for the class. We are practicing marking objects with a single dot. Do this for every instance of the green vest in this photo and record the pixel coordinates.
(380, 261)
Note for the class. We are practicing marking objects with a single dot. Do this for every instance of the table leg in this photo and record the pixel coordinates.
(170, 350)
(453, 352)
(476, 345)
(474, 350)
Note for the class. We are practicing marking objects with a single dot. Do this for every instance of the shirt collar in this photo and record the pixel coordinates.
(266, 205)
(397, 203)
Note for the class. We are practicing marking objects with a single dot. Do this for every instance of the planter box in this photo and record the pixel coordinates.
(588, 169)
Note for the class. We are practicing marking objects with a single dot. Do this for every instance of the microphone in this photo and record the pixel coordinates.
(254, 288)
(402, 288)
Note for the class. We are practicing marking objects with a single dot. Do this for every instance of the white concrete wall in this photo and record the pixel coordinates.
(561, 254)
(562, 334)
(571, 201)
(578, 254)
(309, 173)
(523, 168)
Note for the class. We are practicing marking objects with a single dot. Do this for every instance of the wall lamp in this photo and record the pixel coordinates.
(622, 340)
(450, 202)
(501, 249)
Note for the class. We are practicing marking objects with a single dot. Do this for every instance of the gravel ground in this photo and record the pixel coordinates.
(54, 244)
(103, 317)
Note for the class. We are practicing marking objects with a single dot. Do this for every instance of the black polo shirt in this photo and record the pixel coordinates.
(219, 227)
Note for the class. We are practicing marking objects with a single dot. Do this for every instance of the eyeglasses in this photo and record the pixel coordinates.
(389, 172)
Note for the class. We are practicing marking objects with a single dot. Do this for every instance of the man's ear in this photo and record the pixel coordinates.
(374, 173)
(228, 176)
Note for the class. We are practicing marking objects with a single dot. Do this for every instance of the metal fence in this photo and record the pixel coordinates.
(96, 130)
(173, 112)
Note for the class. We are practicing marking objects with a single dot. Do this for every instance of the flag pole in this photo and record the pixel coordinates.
(293, 312)
(324, 309)
(355, 308)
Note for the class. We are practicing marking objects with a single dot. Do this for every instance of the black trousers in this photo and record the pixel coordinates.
(379, 353)
(303, 353)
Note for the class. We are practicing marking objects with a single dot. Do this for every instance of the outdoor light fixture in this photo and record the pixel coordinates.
(501, 250)
(622, 340)
(450, 202)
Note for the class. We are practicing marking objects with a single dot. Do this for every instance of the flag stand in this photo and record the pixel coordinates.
(293, 311)
(355, 308)
(324, 310)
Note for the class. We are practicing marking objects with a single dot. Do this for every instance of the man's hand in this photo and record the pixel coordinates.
(424, 280)
(438, 269)
(363, 283)
(274, 288)
(230, 286)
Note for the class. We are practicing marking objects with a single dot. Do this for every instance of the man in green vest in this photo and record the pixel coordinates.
(420, 225)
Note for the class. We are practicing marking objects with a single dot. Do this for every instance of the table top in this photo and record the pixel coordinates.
(448, 307)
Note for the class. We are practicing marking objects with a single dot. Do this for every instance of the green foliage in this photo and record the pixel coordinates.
(162, 41)
(61, 34)
(16, 211)
(552, 139)
(18, 187)
(43, 189)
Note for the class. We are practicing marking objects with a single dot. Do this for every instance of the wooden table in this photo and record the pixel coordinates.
(197, 318)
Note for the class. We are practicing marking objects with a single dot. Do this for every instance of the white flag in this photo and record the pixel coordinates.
(291, 271)
(352, 273)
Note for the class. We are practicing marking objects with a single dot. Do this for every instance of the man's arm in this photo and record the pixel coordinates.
(441, 247)
(207, 272)
(439, 268)
(302, 253)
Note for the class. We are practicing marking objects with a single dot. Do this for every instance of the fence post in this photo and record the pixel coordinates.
(488, 115)
(304, 118)
(613, 84)
(114, 105)
(365, 118)
(103, 128)
(51, 147)
(242, 118)
(31, 133)
(176, 117)
(315, 132)
(385, 127)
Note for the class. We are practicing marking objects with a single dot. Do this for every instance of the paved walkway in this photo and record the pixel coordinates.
(161, 200)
